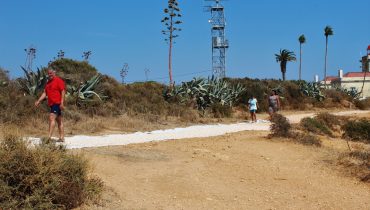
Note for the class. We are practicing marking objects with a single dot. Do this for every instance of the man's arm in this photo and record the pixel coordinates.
(62, 102)
(42, 97)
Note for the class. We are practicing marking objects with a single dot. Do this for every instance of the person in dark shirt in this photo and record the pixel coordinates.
(274, 103)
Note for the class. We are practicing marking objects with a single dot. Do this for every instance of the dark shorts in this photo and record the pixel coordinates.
(252, 110)
(273, 109)
(55, 109)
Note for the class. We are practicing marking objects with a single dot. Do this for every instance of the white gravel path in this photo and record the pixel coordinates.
(74, 142)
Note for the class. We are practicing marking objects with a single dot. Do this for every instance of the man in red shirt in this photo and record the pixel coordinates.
(55, 91)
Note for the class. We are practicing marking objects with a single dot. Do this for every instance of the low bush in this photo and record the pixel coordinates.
(220, 111)
(357, 130)
(336, 95)
(357, 162)
(315, 126)
(307, 139)
(43, 177)
(15, 107)
(363, 104)
(330, 120)
(280, 126)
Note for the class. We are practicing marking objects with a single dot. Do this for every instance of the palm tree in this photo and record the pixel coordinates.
(328, 32)
(302, 40)
(284, 57)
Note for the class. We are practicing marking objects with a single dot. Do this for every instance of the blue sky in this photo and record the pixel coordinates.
(129, 31)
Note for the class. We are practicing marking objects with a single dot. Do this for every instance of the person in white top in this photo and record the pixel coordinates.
(253, 105)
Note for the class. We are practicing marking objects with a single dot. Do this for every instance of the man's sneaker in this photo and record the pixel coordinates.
(60, 140)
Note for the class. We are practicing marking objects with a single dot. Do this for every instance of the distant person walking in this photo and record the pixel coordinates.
(274, 103)
(55, 92)
(253, 105)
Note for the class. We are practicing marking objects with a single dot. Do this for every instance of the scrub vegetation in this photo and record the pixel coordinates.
(97, 103)
(92, 94)
(46, 176)
(355, 161)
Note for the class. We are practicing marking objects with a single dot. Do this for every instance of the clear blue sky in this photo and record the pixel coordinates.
(120, 31)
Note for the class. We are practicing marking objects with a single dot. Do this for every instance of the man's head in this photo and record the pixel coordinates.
(51, 73)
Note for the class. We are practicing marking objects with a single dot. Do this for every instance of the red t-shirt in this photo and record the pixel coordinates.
(53, 90)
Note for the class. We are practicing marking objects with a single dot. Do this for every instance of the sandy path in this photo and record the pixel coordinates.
(179, 133)
(235, 171)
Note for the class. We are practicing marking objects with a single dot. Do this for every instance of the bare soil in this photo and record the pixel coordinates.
(236, 171)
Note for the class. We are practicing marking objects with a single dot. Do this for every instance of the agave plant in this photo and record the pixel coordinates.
(353, 92)
(205, 92)
(279, 89)
(34, 82)
(85, 91)
(312, 89)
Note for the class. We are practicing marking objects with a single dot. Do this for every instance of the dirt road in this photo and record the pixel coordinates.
(236, 171)
(195, 131)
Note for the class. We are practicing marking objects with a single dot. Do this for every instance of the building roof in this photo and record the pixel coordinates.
(347, 75)
(368, 47)
(357, 74)
(331, 78)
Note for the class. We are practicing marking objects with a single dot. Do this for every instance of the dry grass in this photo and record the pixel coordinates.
(306, 139)
(357, 162)
(363, 104)
(44, 176)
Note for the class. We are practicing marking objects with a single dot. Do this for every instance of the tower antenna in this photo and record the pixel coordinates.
(219, 41)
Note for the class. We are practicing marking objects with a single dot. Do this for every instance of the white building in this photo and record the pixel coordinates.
(353, 80)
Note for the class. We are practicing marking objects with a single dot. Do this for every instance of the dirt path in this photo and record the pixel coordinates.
(235, 171)
(196, 131)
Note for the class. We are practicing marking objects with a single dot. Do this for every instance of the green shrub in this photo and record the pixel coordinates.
(280, 126)
(315, 126)
(72, 71)
(43, 177)
(329, 120)
(293, 96)
(358, 130)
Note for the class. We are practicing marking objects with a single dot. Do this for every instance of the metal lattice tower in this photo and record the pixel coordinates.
(219, 41)
(124, 71)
